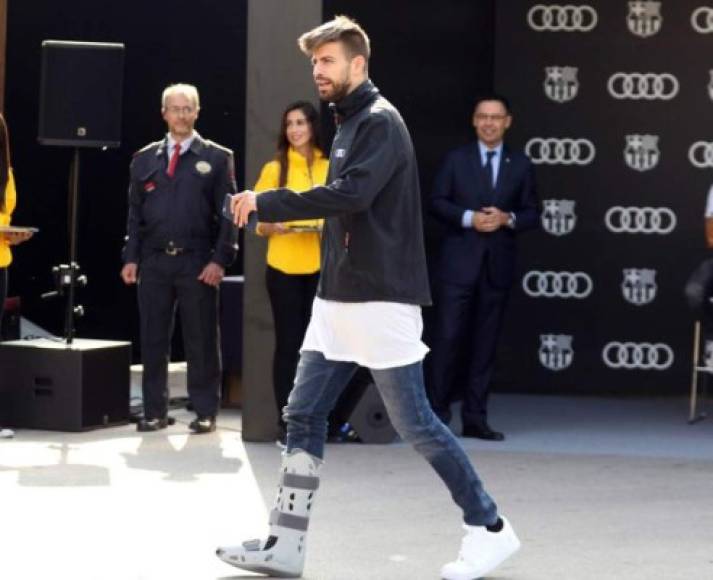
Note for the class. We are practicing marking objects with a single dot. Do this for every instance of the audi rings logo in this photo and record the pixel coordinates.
(637, 355)
(557, 18)
(555, 151)
(549, 284)
(702, 20)
(640, 220)
(701, 154)
(647, 86)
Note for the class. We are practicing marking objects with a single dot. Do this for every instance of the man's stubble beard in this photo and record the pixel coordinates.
(340, 90)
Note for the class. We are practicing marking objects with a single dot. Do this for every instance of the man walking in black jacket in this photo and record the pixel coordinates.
(367, 311)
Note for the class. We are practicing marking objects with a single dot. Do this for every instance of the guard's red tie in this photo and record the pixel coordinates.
(174, 160)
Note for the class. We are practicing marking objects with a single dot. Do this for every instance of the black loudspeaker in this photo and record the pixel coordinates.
(49, 385)
(361, 406)
(81, 93)
(10, 326)
(369, 418)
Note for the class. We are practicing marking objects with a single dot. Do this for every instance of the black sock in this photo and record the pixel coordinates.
(496, 527)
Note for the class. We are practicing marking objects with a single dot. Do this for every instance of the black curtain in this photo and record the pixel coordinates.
(202, 43)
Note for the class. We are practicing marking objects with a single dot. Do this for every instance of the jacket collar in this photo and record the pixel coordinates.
(197, 145)
(504, 154)
(482, 148)
(364, 94)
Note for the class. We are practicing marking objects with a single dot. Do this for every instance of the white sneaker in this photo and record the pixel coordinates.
(481, 552)
(6, 433)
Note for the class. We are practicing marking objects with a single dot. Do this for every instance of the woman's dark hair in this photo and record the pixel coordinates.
(4, 160)
(283, 144)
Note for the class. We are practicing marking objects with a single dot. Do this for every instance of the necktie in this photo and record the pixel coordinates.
(174, 160)
(489, 169)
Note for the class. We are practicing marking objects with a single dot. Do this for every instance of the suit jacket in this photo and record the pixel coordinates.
(461, 184)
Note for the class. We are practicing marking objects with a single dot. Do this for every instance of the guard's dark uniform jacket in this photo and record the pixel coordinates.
(372, 244)
(183, 211)
(175, 228)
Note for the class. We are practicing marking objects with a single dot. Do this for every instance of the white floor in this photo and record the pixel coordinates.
(116, 504)
(597, 489)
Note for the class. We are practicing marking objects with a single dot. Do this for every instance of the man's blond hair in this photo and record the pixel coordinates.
(342, 29)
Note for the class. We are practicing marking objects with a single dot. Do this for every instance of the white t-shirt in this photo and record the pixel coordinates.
(376, 335)
(709, 203)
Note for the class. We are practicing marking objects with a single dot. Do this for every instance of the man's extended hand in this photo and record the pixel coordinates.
(241, 205)
(129, 273)
(212, 274)
(490, 219)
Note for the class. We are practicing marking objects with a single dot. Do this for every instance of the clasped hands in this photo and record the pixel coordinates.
(489, 219)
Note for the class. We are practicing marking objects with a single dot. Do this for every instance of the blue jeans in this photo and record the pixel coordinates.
(318, 384)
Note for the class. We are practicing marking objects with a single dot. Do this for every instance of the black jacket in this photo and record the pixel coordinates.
(185, 210)
(372, 244)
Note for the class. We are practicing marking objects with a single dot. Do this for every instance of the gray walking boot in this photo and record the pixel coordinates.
(282, 553)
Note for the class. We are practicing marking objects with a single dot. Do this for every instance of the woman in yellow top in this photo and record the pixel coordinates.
(7, 205)
(292, 247)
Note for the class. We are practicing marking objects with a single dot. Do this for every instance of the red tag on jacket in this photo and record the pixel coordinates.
(149, 186)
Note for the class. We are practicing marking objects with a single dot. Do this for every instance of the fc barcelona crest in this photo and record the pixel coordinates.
(558, 217)
(639, 285)
(561, 84)
(556, 351)
(644, 18)
(642, 152)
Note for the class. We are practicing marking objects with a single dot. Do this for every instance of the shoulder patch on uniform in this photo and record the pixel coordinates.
(148, 147)
(219, 147)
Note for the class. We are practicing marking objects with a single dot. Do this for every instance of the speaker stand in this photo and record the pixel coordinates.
(66, 276)
(70, 310)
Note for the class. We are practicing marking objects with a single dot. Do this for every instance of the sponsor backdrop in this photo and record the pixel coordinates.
(611, 101)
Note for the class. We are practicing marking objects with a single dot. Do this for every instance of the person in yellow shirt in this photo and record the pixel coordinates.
(293, 254)
(8, 199)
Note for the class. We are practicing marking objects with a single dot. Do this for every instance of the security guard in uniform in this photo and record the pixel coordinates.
(177, 248)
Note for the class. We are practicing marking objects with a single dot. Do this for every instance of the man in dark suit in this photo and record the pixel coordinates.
(485, 194)
(177, 249)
